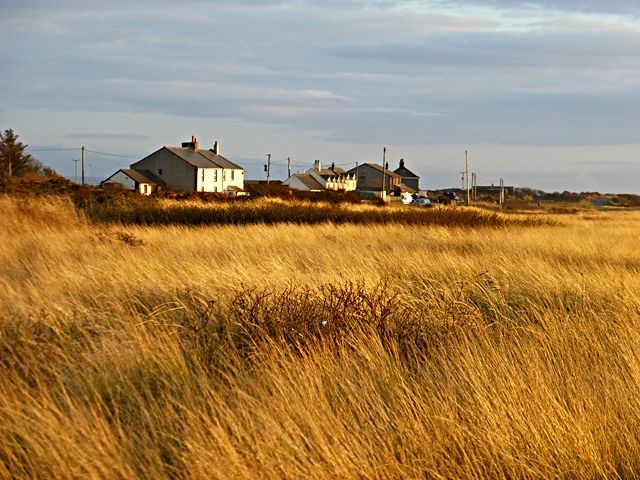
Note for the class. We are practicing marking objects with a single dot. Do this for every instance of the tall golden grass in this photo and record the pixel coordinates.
(324, 351)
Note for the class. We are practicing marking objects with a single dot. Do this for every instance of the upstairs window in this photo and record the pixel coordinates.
(215, 175)
(202, 177)
(232, 174)
(159, 171)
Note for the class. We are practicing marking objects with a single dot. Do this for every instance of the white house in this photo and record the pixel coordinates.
(317, 179)
(142, 181)
(305, 182)
(191, 169)
(333, 178)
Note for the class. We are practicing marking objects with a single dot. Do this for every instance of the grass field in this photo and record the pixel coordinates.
(384, 350)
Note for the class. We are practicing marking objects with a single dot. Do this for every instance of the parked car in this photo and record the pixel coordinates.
(422, 201)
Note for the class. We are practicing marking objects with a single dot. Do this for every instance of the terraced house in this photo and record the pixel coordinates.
(187, 168)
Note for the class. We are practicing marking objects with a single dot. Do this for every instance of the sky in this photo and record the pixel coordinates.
(543, 93)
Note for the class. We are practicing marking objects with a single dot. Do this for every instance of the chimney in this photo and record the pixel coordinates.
(402, 163)
(386, 166)
(193, 144)
(333, 165)
(216, 148)
(317, 165)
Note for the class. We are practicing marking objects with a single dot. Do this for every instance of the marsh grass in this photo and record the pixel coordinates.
(317, 351)
(150, 211)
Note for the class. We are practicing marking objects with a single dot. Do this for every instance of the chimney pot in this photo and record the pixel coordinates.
(216, 148)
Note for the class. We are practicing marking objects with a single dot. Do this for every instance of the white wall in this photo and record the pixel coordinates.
(122, 179)
(219, 179)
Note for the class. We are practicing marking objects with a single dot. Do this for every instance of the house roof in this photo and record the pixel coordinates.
(327, 172)
(139, 176)
(405, 173)
(377, 167)
(405, 188)
(202, 158)
(309, 181)
(219, 160)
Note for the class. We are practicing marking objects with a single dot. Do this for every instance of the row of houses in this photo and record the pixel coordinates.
(365, 177)
(190, 168)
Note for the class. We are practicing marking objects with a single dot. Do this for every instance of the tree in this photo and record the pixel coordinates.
(13, 159)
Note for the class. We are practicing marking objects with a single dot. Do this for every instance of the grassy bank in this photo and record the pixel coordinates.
(317, 351)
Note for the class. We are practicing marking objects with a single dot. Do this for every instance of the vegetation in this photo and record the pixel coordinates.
(324, 351)
(150, 211)
(15, 162)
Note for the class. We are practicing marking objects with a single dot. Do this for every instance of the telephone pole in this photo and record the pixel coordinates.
(267, 167)
(474, 190)
(384, 163)
(466, 172)
(82, 164)
(288, 167)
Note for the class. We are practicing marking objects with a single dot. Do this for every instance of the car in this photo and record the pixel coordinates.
(421, 201)
(407, 198)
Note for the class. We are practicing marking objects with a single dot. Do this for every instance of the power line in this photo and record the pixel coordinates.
(53, 149)
(113, 154)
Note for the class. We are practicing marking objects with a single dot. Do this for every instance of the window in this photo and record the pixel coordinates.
(202, 189)
(224, 175)
(202, 175)
(159, 171)
(232, 172)
(215, 175)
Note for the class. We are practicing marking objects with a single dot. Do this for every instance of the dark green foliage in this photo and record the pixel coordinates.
(13, 159)
(15, 162)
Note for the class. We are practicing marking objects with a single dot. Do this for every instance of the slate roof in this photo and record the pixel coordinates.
(202, 158)
(140, 176)
(405, 173)
(308, 180)
(377, 167)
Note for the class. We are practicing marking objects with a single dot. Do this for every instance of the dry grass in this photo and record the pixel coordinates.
(299, 351)
(138, 210)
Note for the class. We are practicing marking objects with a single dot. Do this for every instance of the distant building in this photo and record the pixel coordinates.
(408, 178)
(188, 168)
(370, 177)
(142, 181)
(333, 178)
(305, 182)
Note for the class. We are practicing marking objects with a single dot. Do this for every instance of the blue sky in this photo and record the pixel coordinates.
(543, 93)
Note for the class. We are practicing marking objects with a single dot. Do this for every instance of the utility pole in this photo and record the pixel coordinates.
(267, 167)
(288, 167)
(384, 163)
(474, 184)
(82, 164)
(466, 173)
(501, 191)
(75, 169)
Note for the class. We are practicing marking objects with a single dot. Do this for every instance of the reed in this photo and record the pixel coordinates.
(317, 351)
